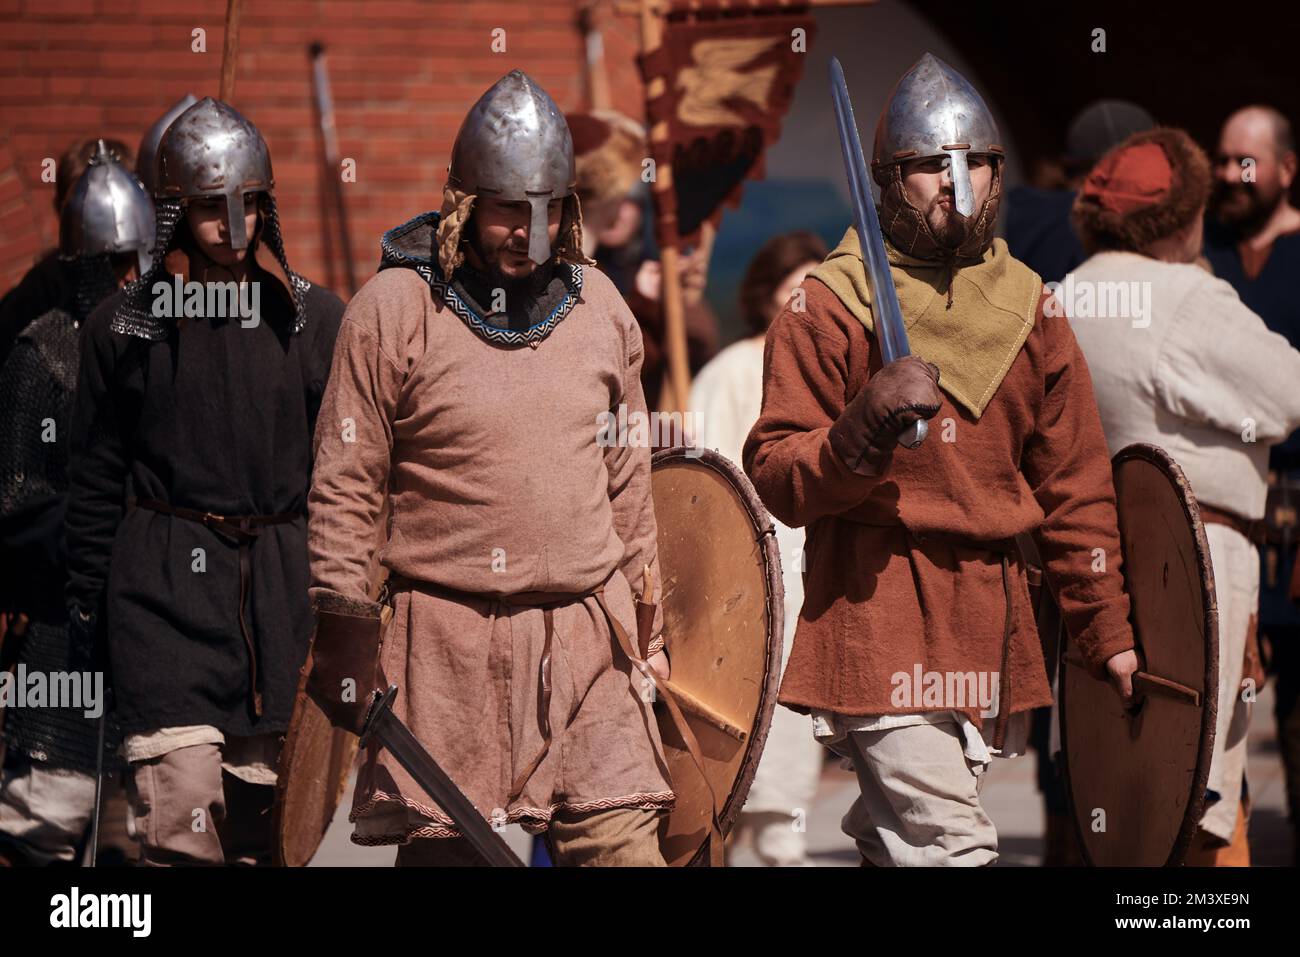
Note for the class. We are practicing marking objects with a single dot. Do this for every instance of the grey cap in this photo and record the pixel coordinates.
(146, 157)
(934, 111)
(212, 150)
(515, 145)
(108, 212)
(1101, 125)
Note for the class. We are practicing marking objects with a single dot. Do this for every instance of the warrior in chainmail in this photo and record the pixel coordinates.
(469, 379)
(51, 283)
(186, 520)
(47, 789)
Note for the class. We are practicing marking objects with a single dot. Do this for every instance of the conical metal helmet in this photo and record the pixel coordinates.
(934, 111)
(515, 145)
(146, 158)
(108, 212)
(212, 150)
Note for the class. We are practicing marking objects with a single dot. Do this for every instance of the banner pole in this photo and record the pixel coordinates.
(675, 397)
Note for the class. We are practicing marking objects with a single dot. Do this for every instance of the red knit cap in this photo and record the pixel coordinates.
(1129, 179)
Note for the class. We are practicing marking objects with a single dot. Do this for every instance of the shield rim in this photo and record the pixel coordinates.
(1154, 455)
(765, 533)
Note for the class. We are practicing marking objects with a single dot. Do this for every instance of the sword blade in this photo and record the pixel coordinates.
(890, 331)
(891, 334)
(402, 745)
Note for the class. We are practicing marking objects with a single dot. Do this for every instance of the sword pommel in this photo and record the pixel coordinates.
(914, 434)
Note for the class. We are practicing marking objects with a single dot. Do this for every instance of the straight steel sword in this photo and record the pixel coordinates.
(890, 331)
(386, 728)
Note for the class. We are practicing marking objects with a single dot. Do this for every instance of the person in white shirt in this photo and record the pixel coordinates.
(1178, 361)
(726, 398)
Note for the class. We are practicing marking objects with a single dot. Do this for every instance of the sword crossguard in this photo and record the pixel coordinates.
(380, 703)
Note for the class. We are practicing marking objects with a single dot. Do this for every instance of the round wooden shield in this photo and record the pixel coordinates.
(314, 766)
(722, 605)
(1137, 776)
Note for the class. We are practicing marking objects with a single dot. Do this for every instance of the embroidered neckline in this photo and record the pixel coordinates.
(570, 274)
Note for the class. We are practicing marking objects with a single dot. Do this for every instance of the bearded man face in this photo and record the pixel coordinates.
(928, 184)
(1251, 174)
(499, 236)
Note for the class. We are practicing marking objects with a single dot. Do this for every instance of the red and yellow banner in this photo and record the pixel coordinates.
(719, 83)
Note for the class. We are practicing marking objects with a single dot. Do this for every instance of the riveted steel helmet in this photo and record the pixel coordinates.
(934, 111)
(515, 145)
(212, 150)
(146, 157)
(108, 212)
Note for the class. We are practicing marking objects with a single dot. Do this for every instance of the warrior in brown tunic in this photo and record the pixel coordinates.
(916, 650)
(470, 382)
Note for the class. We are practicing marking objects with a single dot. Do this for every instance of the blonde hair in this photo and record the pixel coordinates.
(456, 207)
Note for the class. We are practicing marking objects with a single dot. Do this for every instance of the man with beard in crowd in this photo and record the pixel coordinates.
(1252, 240)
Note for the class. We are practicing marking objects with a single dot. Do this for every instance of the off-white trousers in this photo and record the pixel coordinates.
(1236, 587)
(45, 811)
(919, 802)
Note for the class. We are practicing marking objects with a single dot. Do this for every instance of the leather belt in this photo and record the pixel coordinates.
(1253, 529)
(548, 601)
(243, 530)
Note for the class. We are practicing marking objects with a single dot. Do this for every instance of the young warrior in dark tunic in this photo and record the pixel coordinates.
(47, 789)
(186, 522)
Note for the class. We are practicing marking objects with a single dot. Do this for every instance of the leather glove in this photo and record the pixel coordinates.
(345, 672)
(901, 393)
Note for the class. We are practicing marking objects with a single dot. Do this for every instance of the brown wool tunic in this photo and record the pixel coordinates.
(887, 587)
(497, 486)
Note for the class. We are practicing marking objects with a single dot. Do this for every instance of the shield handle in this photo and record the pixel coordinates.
(689, 703)
(1147, 683)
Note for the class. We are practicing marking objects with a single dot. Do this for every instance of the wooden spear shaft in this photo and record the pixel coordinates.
(595, 74)
(330, 147)
(230, 50)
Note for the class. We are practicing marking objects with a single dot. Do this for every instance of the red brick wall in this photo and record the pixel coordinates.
(403, 74)
(20, 218)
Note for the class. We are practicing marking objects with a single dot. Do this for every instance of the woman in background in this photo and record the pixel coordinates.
(726, 398)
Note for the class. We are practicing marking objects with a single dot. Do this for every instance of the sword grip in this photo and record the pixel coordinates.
(914, 434)
(381, 702)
